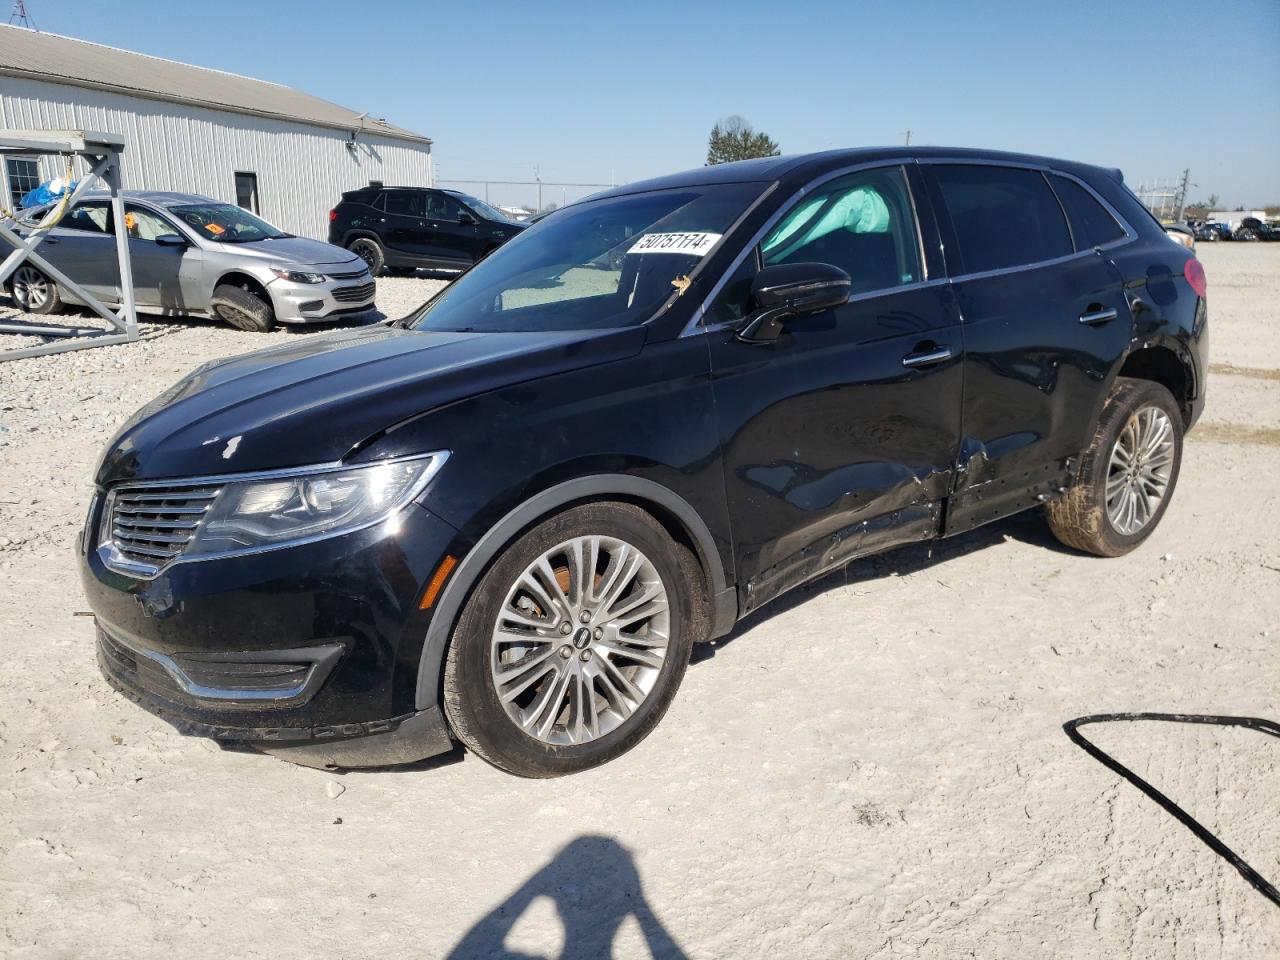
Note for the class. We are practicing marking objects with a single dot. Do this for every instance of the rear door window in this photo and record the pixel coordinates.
(89, 217)
(1091, 224)
(405, 203)
(1003, 216)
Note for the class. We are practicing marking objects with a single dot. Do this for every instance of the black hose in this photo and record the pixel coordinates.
(1266, 888)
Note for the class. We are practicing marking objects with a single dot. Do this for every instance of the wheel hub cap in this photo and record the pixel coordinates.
(580, 640)
(1139, 469)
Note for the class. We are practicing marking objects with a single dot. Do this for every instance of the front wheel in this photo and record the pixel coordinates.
(572, 645)
(1126, 476)
(242, 308)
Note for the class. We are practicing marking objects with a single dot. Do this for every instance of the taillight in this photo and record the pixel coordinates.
(333, 215)
(1195, 276)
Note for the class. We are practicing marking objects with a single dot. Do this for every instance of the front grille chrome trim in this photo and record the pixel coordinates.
(147, 563)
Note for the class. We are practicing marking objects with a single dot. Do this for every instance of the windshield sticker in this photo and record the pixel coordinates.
(694, 244)
(215, 228)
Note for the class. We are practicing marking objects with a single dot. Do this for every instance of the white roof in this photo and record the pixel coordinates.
(58, 59)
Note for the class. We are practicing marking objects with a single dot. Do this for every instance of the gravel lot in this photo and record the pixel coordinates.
(873, 768)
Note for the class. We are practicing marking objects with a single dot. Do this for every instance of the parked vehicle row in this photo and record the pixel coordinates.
(506, 518)
(193, 256)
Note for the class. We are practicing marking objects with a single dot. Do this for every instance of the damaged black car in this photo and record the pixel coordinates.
(506, 518)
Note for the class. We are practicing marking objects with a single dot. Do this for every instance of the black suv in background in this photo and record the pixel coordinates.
(404, 228)
(507, 517)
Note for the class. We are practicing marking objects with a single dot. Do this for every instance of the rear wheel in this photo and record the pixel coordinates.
(33, 292)
(242, 308)
(1127, 475)
(370, 251)
(572, 645)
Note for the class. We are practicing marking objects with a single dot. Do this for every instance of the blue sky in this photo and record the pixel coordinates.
(586, 90)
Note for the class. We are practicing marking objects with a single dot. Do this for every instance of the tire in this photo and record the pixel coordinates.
(587, 687)
(1083, 519)
(33, 292)
(242, 309)
(370, 251)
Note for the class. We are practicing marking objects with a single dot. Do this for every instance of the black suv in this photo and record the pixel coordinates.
(507, 517)
(404, 228)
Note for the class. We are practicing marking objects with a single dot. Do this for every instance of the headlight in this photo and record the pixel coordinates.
(289, 506)
(297, 276)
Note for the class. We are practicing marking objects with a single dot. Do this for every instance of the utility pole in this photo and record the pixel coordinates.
(20, 18)
(537, 177)
(1182, 192)
(908, 138)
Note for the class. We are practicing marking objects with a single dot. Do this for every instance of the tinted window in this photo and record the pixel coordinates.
(598, 264)
(1091, 224)
(91, 217)
(440, 207)
(862, 223)
(405, 202)
(1003, 216)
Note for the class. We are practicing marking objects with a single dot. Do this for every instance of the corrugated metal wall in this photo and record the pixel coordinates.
(301, 169)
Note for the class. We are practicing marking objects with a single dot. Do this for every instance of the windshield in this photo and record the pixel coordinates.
(226, 223)
(597, 265)
(486, 211)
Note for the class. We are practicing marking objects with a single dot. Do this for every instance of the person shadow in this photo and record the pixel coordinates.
(595, 887)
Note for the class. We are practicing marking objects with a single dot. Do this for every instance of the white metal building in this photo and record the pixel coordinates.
(278, 151)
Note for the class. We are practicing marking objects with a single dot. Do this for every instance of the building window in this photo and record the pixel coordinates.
(24, 176)
(247, 191)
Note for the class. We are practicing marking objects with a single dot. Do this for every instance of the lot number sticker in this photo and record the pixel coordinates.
(693, 244)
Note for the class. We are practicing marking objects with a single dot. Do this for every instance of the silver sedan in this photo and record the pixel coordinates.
(195, 256)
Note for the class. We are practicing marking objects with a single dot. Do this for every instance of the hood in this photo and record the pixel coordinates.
(293, 250)
(315, 400)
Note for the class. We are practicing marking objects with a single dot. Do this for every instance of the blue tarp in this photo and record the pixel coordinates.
(47, 192)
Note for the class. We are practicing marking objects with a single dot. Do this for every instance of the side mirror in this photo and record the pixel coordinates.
(465, 217)
(171, 240)
(791, 290)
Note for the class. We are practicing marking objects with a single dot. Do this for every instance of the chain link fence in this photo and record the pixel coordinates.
(525, 198)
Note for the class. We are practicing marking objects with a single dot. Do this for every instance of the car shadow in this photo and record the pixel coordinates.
(594, 886)
(1028, 527)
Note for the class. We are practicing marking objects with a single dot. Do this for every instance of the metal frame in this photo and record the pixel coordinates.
(102, 152)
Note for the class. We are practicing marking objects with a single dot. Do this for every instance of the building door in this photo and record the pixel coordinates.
(247, 191)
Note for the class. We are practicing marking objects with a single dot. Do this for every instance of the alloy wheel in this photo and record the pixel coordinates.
(30, 288)
(580, 640)
(1139, 470)
(365, 252)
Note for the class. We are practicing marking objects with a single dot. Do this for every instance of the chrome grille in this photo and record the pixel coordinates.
(355, 294)
(360, 274)
(152, 525)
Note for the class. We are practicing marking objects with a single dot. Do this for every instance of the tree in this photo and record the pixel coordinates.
(1202, 208)
(735, 139)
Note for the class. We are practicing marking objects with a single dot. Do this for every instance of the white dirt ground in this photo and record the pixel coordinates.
(873, 768)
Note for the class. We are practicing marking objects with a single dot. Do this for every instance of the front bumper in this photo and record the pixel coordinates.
(314, 302)
(315, 645)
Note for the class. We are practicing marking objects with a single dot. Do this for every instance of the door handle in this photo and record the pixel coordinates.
(936, 355)
(1093, 318)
